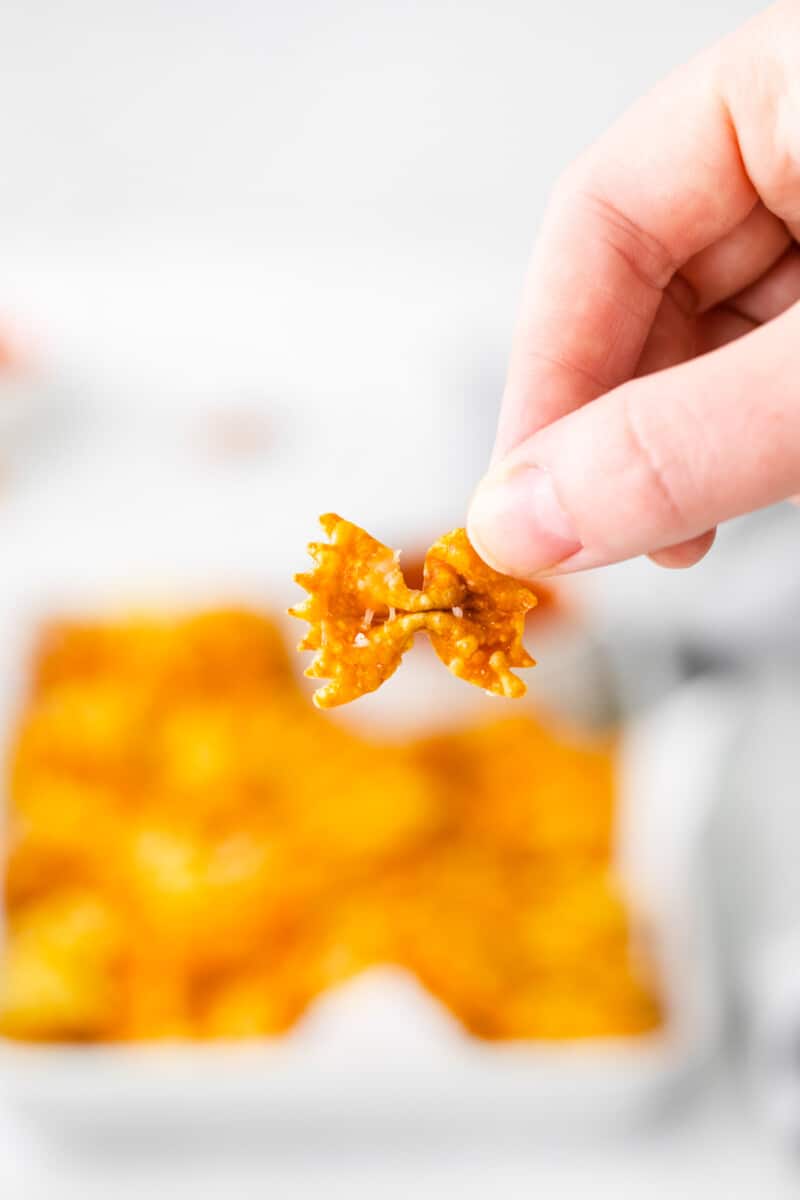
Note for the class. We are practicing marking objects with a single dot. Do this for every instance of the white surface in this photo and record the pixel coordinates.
(423, 120)
(757, 843)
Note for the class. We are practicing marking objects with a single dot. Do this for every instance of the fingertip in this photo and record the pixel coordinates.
(685, 554)
(517, 523)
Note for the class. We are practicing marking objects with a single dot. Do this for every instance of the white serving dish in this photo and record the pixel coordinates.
(379, 1050)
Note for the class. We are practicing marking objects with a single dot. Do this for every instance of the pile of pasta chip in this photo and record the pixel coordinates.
(363, 616)
(193, 851)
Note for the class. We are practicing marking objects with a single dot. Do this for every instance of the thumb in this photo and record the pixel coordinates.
(651, 464)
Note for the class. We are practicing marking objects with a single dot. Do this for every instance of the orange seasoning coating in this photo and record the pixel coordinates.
(363, 616)
(190, 850)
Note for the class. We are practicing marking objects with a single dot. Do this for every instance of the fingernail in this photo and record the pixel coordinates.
(517, 523)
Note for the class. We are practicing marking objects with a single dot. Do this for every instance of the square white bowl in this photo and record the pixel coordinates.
(381, 1049)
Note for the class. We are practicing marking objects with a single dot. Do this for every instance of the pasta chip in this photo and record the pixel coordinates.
(192, 851)
(363, 615)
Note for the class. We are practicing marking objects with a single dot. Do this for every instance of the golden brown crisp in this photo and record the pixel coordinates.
(363, 615)
(192, 851)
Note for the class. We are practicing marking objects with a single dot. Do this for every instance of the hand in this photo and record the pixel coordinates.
(654, 383)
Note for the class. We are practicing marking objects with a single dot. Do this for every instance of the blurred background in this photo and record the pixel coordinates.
(259, 262)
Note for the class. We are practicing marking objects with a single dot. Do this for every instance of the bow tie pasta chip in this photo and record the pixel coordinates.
(363, 616)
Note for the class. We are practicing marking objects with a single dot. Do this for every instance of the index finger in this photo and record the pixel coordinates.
(666, 181)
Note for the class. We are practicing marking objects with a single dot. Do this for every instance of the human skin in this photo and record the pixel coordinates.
(653, 389)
